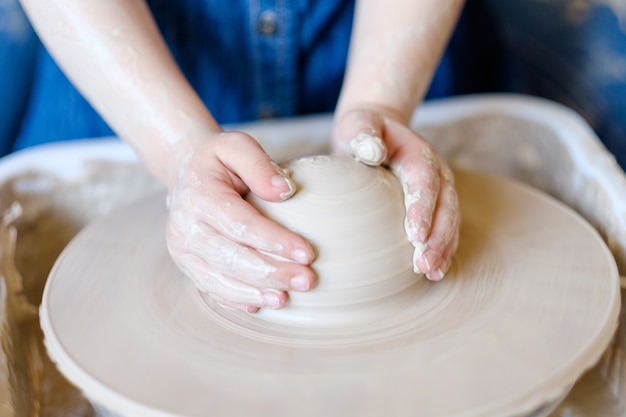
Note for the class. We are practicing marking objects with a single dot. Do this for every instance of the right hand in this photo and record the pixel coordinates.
(219, 240)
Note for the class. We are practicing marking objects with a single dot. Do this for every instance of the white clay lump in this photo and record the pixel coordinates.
(353, 215)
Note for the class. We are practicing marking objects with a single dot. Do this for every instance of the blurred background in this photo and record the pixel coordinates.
(569, 51)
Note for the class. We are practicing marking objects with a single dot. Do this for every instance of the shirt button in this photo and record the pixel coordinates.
(268, 24)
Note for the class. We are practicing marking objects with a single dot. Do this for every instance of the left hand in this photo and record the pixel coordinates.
(432, 209)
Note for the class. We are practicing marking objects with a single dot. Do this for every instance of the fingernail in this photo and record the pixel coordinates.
(300, 283)
(271, 300)
(300, 256)
(279, 181)
(421, 265)
(436, 275)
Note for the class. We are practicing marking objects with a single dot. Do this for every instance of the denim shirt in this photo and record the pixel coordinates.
(252, 59)
(247, 59)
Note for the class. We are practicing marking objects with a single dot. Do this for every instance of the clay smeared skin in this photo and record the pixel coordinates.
(432, 209)
(222, 243)
(395, 50)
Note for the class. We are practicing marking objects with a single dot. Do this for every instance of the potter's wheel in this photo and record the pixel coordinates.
(530, 302)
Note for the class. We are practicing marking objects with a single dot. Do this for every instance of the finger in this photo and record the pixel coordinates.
(432, 217)
(233, 260)
(244, 156)
(443, 235)
(225, 290)
(419, 175)
(358, 133)
(446, 261)
(240, 221)
(217, 204)
(228, 304)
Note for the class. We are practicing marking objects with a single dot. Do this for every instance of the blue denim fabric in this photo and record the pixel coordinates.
(18, 46)
(247, 59)
(273, 58)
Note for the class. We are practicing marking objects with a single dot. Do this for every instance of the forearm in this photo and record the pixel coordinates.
(114, 54)
(396, 46)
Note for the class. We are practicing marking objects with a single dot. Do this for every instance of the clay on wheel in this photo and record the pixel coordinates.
(353, 215)
(530, 302)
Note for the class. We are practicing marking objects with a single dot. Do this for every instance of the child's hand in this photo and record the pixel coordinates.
(433, 217)
(217, 238)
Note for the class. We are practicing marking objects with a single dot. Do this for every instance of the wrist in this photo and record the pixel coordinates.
(182, 153)
(375, 111)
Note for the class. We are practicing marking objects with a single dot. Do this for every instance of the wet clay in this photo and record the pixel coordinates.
(353, 216)
(531, 302)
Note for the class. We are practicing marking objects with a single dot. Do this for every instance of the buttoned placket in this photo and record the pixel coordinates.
(273, 43)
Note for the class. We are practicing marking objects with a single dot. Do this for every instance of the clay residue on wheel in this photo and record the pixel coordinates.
(40, 215)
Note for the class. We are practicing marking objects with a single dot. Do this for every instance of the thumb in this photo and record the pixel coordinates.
(359, 133)
(246, 158)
